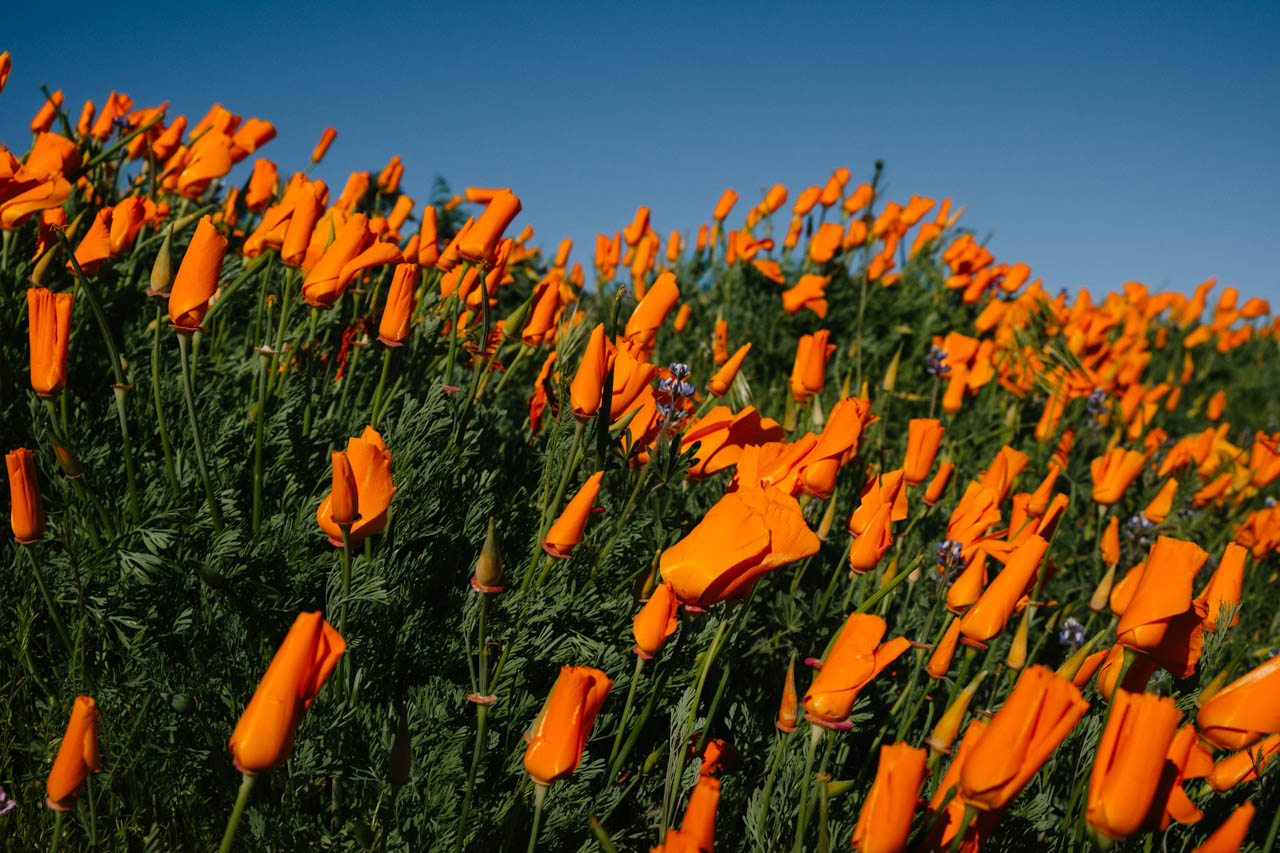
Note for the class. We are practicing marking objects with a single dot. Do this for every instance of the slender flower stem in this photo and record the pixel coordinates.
(539, 796)
(375, 412)
(57, 832)
(622, 722)
(482, 720)
(779, 748)
(523, 350)
(346, 593)
(157, 398)
(259, 436)
(242, 800)
(806, 782)
(311, 363)
(49, 602)
(184, 347)
(550, 510)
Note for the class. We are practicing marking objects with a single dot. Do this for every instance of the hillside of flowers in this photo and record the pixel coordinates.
(345, 520)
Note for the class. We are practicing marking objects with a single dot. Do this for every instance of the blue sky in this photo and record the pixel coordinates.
(1100, 145)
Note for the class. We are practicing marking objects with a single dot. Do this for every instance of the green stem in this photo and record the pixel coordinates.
(311, 361)
(157, 398)
(49, 602)
(375, 412)
(779, 747)
(345, 529)
(231, 288)
(57, 832)
(259, 437)
(622, 723)
(242, 799)
(184, 347)
(482, 719)
(520, 354)
(806, 782)
(969, 813)
(549, 512)
(539, 796)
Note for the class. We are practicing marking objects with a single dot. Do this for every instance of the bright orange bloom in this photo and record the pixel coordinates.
(1113, 472)
(251, 136)
(656, 621)
(77, 756)
(809, 292)
(682, 318)
(727, 200)
(923, 437)
(744, 535)
(720, 342)
(371, 467)
(1244, 711)
(48, 111)
(1129, 762)
(825, 242)
(209, 157)
(197, 277)
(481, 240)
(49, 329)
(326, 139)
(884, 823)
(1217, 403)
(587, 389)
(262, 184)
(1161, 619)
(1161, 505)
(1110, 544)
(697, 831)
(353, 249)
(722, 436)
(938, 484)
(538, 400)
(567, 531)
(1037, 715)
(6, 64)
(397, 314)
(940, 659)
(808, 374)
(344, 497)
(263, 737)
(1245, 766)
(873, 543)
(127, 219)
(95, 246)
(787, 714)
(988, 616)
(944, 733)
(856, 657)
(723, 378)
(882, 489)
(1223, 589)
(1229, 837)
(26, 509)
(562, 727)
(835, 446)
(652, 311)
(974, 515)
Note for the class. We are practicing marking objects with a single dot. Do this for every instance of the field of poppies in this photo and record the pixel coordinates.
(346, 520)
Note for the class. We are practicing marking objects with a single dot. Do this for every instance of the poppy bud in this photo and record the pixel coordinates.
(944, 733)
(49, 319)
(197, 278)
(656, 621)
(77, 756)
(727, 200)
(566, 533)
(944, 650)
(343, 502)
(561, 729)
(787, 708)
(488, 576)
(26, 509)
(326, 139)
(938, 484)
(723, 378)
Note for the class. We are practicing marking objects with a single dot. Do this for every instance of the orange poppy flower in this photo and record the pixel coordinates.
(1223, 589)
(371, 467)
(481, 239)
(698, 829)
(26, 509)
(587, 388)
(727, 200)
(933, 492)
(656, 621)
(1242, 713)
(263, 736)
(1110, 544)
(1129, 762)
(48, 111)
(808, 374)
(944, 733)
(1229, 837)
(1042, 709)
(1161, 505)
(566, 532)
(1217, 403)
(988, 616)
(974, 515)
(95, 246)
(197, 277)
(809, 292)
(561, 729)
(77, 756)
(856, 657)
(744, 535)
(326, 139)
(1162, 619)
(884, 823)
(1245, 766)
(722, 436)
(6, 64)
(1113, 472)
(262, 184)
(940, 659)
(652, 311)
(923, 437)
(354, 248)
(835, 446)
(49, 329)
(397, 314)
(872, 543)
(723, 378)
(825, 242)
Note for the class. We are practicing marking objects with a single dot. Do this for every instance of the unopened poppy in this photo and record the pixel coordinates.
(26, 508)
(197, 278)
(397, 314)
(1129, 762)
(49, 329)
(1162, 619)
(371, 467)
(923, 437)
(566, 533)
(326, 139)
(884, 823)
(561, 729)
(1113, 472)
(481, 240)
(723, 378)
(587, 388)
(988, 616)
(77, 756)
(656, 621)
(1242, 713)
(1229, 837)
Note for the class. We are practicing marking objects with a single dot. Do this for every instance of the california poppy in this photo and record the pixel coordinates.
(1113, 472)
(1162, 619)
(197, 277)
(1229, 837)
(480, 241)
(77, 756)
(561, 729)
(809, 292)
(1242, 713)
(787, 707)
(933, 492)
(566, 533)
(344, 497)
(656, 621)
(49, 327)
(397, 314)
(587, 388)
(923, 437)
(1223, 589)
(326, 139)
(727, 200)
(263, 737)
(884, 823)
(808, 374)
(988, 616)
(26, 509)
(370, 463)
(723, 378)
(856, 657)
(1129, 762)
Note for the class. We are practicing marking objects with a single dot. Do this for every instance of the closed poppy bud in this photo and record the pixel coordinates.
(1217, 403)
(26, 509)
(397, 314)
(682, 318)
(263, 736)
(944, 733)
(1110, 545)
(262, 184)
(938, 484)
(197, 278)
(370, 463)
(47, 113)
(923, 437)
(481, 239)
(567, 531)
(808, 373)
(1081, 666)
(77, 756)
(987, 617)
(587, 388)
(1161, 505)
(488, 576)
(1240, 714)
(727, 200)
(884, 823)
(6, 63)
(326, 139)
(1042, 709)
(656, 621)
(856, 657)
(787, 708)
(1017, 657)
(723, 378)
(560, 732)
(1129, 762)
(720, 342)
(1113, 472)
(428, 239)
(1229, 837)
(944, 650)
(1136, 676)
(343, 499)
(697, 832)
(49, 329)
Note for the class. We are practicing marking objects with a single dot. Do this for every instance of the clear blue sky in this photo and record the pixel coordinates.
(1099, 145)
